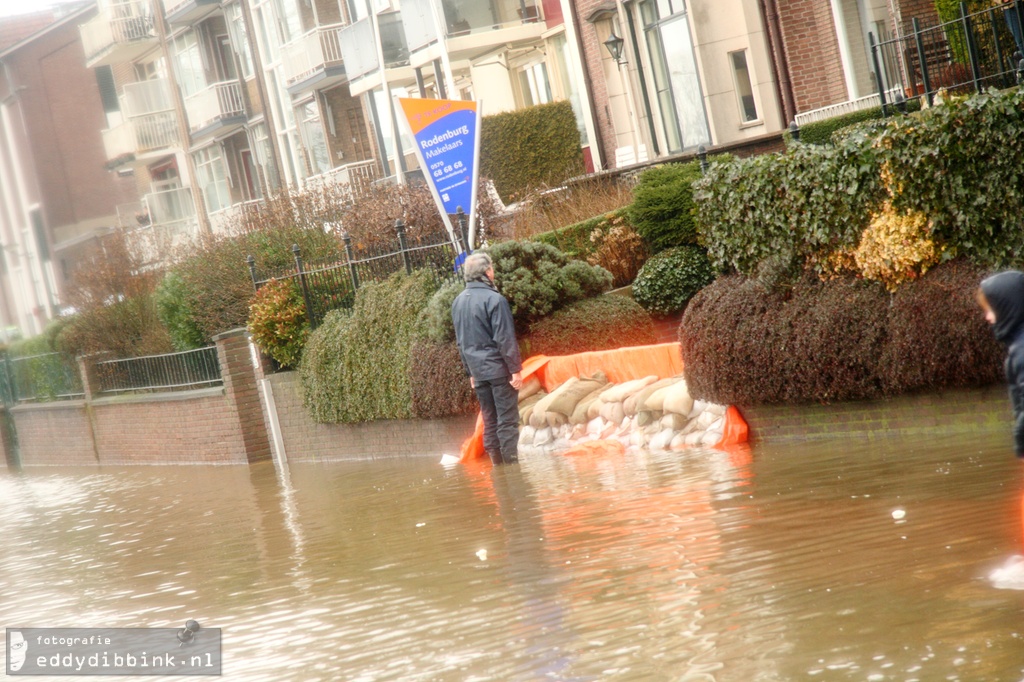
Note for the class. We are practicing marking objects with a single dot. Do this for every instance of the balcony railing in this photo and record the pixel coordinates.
(170, 207)
(316, 51)
(215, 103)
(352, 178)
(359, 50)
(231, 219)
(142, 134)
(470, 16)
(125, 23)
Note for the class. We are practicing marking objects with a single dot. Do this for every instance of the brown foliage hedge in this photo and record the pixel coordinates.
(440, 387)
(843, 339)
(600, 323)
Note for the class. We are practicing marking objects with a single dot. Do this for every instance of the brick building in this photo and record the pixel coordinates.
(55, 195)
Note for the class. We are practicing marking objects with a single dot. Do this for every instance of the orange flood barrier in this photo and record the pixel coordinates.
(663, 360)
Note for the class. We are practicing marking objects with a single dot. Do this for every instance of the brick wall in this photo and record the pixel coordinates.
(953, 412)
(812, 51)
(306, 441)
(54, 433)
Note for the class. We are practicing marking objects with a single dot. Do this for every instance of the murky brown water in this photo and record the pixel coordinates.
(781, 564)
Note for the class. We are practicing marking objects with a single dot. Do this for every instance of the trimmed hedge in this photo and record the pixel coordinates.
(821, 132)
(958, 164)
(538, 279)
(355, 366)
(529, 148)
(662, 209)
(600, 323)
(667, 282)
(842, 339)
(574, 240)
(440, 387)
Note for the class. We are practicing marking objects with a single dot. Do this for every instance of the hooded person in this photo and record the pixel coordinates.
(1001, 296)
(486, 337)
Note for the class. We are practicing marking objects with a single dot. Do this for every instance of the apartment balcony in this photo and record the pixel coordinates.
(314, 61)
(118, 34)
(150, 126)
(352, 178)
(218, 109)
(359, 51)
(470, 26)
(187, 12)
(232, 219)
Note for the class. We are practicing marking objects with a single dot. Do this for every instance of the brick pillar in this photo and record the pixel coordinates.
(242, 391)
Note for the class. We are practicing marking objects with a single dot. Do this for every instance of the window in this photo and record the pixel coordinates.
(212, 178)
(318, 159)
(188, 64)
(744, 91)
(108, 91)
(240, 38)
(534, 81)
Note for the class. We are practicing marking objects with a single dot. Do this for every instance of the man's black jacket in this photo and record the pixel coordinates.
(485, 333)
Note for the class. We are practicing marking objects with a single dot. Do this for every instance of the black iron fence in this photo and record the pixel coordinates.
(974, 52)
(168, 372)
(329, 286)
(40, 378)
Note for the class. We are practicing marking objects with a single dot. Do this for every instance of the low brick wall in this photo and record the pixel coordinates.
(983, 410)
(54, 433)
(306, 441)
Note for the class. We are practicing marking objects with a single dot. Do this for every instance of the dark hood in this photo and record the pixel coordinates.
(1005, 294)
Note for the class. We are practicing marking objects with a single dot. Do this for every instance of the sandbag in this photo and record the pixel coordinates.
(718, 425)
(673, 421)
(531, 386)
(678, 399)
(555, 420)
(595, 408)
(678, 442)
(526, 435)
(579, 414)
(711, 438)
(545, 404)
(526, 407)
(619, 392)
(661, 440)
(706, 419)
(699, 406)
(655, 401)
(695, 437)
(538, 419)
(595, 426)
(645, 418)
(613, 412)
(638, 401)
(569, 395)
(543, 436)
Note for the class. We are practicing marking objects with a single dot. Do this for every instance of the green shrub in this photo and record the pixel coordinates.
(532, 147)
(438, 381)
(171, 298)
(618, 248)
(599, 323)
(538, 279)
(662, 210)
(573, 240)
(842, 339)
(667, 282)
(824, 132)
(278, 322)
(41, 343)
(355, 366)
(776, 214)
(435, 321)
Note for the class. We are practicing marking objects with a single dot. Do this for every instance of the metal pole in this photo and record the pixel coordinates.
(878, 72)
(925, 80)
(998, 45)
(400, 229)
(972, 49)
(460, 217)
(310, 315)
(347, 238)
(252, 271)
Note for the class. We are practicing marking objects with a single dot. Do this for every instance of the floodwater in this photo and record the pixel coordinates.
(837, 561)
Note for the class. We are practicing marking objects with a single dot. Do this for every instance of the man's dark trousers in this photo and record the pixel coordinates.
(499, 407)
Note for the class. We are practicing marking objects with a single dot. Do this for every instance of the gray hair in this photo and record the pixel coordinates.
(476, 266)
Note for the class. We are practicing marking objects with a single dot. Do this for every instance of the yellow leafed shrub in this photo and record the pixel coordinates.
(895, 248)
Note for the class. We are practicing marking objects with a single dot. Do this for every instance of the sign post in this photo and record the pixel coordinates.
(447, 135)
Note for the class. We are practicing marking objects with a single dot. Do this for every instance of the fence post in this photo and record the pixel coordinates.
(972, 49)
(347, 238)
(926, 82)
(998, 45)
(460, 218)
(400, 229)
(310, 315)
(8, 429)
(878, 72)
(702, 157)
(1018, 6)
(252, 271)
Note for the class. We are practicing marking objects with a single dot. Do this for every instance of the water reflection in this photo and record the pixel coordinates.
(778, 564)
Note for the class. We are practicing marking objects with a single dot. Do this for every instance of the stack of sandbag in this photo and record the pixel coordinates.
(647, 413)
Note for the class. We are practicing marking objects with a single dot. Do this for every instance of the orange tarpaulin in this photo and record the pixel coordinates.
(663, 360)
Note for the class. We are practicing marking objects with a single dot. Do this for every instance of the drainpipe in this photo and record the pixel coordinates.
(777, 47)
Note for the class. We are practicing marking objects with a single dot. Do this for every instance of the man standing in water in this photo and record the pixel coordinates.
(485, 334)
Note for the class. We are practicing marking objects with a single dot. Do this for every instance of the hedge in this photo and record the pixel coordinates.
(957, 164)
(574, 240)
(843, 339)
(600, 323)
(529, 148)
(667, 282)
(355, 366)
(439, 385)
(821, 132)
(662, 208)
